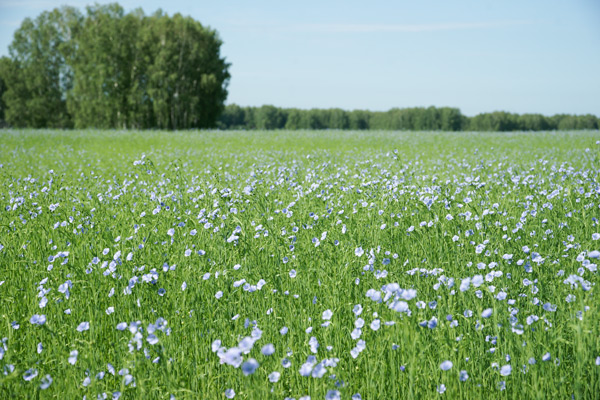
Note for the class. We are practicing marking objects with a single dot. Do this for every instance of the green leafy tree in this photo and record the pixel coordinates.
(358, 120)
(405, 119)
(451, 119)
(39, 76)
(294, 119)
(587, 121)
(498, 121)
(104, 68)
(187, 79)
(232, 117)
(338, 119)
(5, 64)
(577, 122)
(270, 117)
(532, 122)
(312, 119)
(137, 71)
(379, 120)
(426, 119)
(249, 117)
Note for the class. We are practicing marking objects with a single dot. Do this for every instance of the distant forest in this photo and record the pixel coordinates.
(104, 68)
(418, 118)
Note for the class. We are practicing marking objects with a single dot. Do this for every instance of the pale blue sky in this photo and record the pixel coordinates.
(520, 56)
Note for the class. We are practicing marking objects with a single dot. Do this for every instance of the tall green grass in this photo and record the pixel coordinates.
(532, 199)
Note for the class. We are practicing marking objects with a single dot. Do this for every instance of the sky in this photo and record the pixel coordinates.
(535, 56)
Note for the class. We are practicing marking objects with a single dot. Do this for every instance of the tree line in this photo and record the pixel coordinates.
(417, 118)
(111, 69)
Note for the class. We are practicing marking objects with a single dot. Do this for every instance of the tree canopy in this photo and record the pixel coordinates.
(413, 119)
(111, 69)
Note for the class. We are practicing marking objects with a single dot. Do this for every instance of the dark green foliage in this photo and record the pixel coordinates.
(535, 122)
(104, 68)
(4, 64)
(110, 69)
(186, 77)
(338, 119)
(38, 75)
(576, 122)
(359, 119)
(498, 121)
(232, 117)
(408, 119)
(294, 119)
(270, 117)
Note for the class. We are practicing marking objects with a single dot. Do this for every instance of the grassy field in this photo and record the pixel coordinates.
(258, 265)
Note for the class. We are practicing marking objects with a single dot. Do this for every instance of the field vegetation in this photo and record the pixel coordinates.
(257, 265)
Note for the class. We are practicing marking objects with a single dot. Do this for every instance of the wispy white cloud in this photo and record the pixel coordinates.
(414, 28)
(10, 23)
(382, 28)
(41, 4)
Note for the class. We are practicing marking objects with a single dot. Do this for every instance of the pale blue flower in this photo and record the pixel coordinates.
(433, 322)
(128, 379)
(249, 366)
(73, 357)
(465, 284)
(152, 339)
(319, 371)
(268, 349)
(375, 324)
(35, 320)
(30, 374)
(274, 377)
(306, 369)
(84, 326)
(46, 382)
(313, 344)
(446, 365)
(333, 395)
